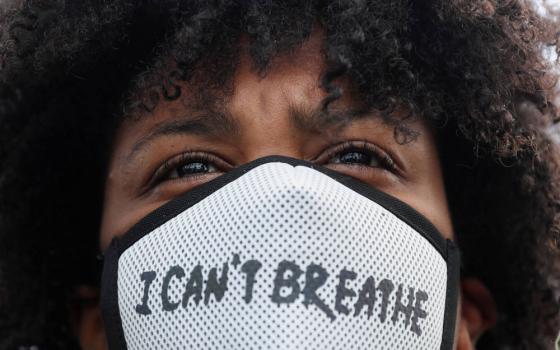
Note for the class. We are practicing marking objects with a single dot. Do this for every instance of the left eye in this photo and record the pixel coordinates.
(356, 157)
(192, 168)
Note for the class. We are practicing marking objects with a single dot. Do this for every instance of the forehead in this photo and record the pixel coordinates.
(291, 86)
(216, 76)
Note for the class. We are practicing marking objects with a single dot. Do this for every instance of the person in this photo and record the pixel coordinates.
(109, 110)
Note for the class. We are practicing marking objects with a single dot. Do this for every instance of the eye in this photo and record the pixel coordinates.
(189, 166)
(357, 157)
(358, 154)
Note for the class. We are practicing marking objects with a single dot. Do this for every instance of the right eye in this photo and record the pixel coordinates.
(189, 166)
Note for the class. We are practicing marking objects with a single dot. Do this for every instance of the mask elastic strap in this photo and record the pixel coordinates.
(452, 295)
(109, 298)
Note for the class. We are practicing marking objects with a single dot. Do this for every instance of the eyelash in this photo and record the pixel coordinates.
(184, 158)
(384, 159)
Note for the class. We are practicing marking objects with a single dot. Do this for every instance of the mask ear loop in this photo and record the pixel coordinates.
(454, 270)
(109, 297)
(100, 260)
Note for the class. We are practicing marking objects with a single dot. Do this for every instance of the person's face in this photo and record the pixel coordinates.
(185, 143)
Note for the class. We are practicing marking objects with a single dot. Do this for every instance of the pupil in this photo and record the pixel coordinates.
(192, 168)
(354, 157)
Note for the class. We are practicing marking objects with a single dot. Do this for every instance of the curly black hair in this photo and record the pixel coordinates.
(70, 71)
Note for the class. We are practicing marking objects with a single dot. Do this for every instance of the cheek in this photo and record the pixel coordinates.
(120, 212)
(119, 218)
(424, 188)
(433, 205)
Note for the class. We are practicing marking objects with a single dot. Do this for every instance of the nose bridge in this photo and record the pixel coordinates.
(276, 144)
(263, 107)
(264, 112)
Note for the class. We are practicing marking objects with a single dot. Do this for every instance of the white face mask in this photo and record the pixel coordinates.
(281, 254)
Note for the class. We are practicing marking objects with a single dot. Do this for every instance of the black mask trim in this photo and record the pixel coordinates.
(109, 290)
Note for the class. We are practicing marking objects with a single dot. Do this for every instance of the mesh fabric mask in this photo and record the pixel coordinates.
(281, 254)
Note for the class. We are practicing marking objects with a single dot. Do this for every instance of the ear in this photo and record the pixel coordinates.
(86, 319)
(478, 313)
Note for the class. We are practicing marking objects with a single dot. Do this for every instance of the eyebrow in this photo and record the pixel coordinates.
(212, 124)
(319, 120)
(221, 122)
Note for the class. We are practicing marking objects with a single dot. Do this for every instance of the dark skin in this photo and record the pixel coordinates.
(157, 157)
